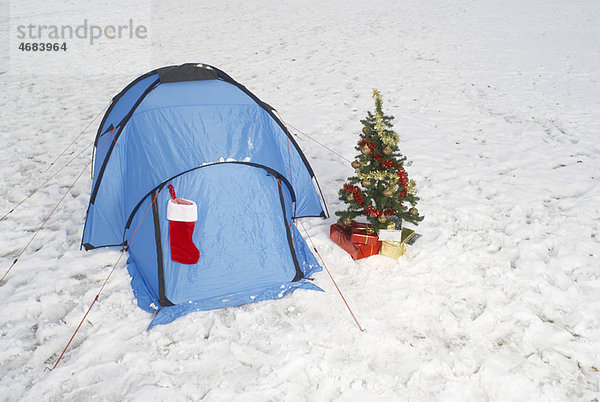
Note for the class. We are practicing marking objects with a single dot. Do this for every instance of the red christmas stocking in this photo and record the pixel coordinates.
(181, 215)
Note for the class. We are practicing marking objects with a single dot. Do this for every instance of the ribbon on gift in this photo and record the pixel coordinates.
(363, 233)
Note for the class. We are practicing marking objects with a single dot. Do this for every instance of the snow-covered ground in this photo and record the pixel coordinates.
(498, 107)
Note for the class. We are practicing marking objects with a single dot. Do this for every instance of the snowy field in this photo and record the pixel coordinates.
(498, 107)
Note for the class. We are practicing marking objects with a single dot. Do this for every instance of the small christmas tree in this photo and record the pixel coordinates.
(381, 189)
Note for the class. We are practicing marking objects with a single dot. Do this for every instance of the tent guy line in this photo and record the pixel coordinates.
(59, 170)
(326, 267)
(103, 285)
(44, 223)
(53, 209)
(44, 183)
(317, 142)
(77, 137)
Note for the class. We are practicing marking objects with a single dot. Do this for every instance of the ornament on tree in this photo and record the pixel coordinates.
(380, 170)
(347, 221)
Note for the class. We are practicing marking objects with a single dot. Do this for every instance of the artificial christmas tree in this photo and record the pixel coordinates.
(381, 189)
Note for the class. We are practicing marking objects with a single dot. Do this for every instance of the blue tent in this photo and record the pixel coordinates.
(195, 128)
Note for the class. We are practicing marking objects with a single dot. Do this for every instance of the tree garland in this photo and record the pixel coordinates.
(369, 209)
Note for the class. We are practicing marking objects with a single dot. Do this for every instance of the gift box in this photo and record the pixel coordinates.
(395, 241)
(393, 249)
(363, 234)
(342, 236)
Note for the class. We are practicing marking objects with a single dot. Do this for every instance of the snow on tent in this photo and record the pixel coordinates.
(200, 181)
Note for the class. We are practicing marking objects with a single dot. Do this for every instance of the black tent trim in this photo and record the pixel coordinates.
(299, 274)
(162, 298)
(88, 246)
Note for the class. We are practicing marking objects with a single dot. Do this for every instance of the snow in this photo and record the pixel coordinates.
(498, 107)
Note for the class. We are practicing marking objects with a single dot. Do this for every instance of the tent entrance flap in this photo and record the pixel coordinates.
(242, 233)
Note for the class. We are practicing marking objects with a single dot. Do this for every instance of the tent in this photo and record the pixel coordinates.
(226, 237)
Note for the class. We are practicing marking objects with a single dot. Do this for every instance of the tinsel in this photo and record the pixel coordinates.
(388, 137)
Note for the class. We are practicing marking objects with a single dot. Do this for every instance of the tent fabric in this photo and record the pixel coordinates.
(222, 148)
(227, 125)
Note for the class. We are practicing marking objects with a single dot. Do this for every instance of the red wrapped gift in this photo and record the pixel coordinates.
(363, 234)
(342, 236)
